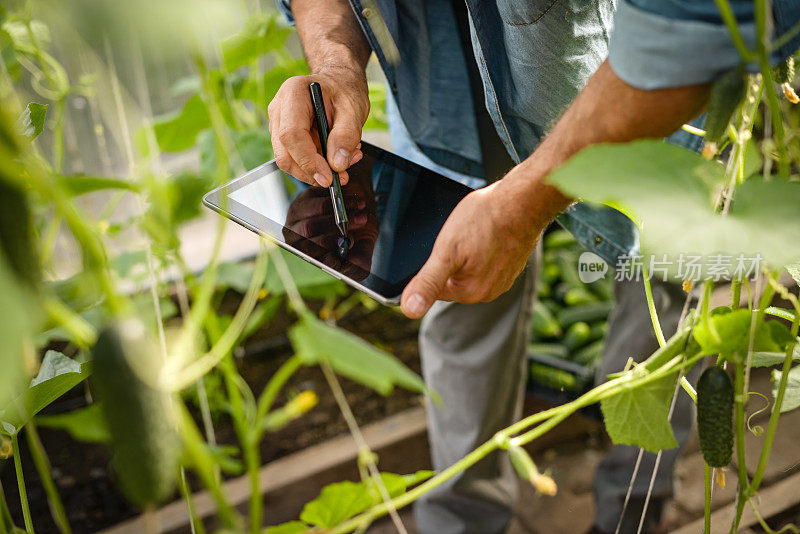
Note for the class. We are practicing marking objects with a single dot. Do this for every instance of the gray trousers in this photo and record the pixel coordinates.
(474, 357)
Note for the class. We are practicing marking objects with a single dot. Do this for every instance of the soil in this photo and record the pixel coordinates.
(81, 470)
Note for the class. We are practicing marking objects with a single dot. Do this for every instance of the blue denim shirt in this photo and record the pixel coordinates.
(534, 57)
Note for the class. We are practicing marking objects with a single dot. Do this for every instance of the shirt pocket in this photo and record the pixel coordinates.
(526, 12)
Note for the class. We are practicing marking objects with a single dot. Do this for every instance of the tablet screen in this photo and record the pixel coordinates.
(395, 210)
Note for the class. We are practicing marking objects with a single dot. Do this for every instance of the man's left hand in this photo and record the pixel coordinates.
(483, 246)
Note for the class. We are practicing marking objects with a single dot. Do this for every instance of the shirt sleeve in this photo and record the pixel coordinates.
(659, 44)
(285, 7)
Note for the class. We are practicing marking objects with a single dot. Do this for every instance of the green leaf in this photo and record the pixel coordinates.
(669, 191)
(768, 359)
(260, 35)
(81, 184)
(310, 281)
(340, 501)
(292, 527)
(178, 131)
(85, 424)
(791, 399)
(32, 119)
(640, 416)
(316, 342)
(58, 374)
(252, 146)
(733, 330)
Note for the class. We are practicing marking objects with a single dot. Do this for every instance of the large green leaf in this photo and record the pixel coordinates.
(260, 35)
(733, 334)
(640, 416)
(342, 500)
(316, 342)
(178, 131)
(32, 119)
(669, 192)
(85, 424)
(57, 375)
(791, 399)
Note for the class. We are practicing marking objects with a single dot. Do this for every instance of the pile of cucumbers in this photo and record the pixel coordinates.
(569, 316)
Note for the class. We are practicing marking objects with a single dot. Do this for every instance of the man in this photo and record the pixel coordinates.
(477, 86)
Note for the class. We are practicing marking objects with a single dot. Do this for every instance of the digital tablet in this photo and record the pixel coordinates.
(395, 209)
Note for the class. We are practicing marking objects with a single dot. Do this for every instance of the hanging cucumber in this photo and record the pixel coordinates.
(715, 416)
(726, 94)
(544, 324)
(140, 418)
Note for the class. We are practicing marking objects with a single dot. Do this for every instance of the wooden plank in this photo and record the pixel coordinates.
(770, 501)
(285, 471)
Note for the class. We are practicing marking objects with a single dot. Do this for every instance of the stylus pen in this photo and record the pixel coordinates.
(339, 213)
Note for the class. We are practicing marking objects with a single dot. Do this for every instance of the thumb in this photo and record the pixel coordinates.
(342, 142)
(427, 286)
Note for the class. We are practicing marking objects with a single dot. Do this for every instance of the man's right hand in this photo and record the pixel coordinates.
(292, 128)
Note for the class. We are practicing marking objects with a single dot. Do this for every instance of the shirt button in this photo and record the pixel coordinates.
(367, 12)
(598, 240)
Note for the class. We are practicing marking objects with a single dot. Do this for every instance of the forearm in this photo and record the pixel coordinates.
(330, 35)
(607, 111)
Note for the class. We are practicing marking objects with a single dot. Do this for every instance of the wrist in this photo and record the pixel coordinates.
(533, 203)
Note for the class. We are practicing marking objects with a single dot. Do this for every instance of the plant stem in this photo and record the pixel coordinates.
(203, 464)
(651, 306)
(773, 103)
(707, 495)
(273, 387)
(736, 293)
(769, 435)
(196, 522)
(42, 464)
(730, 21)
(739, 402)
(6, 521)
(23, 492)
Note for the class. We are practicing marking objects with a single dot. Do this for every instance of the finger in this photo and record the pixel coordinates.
(294, 134)
(428, 285)
(343, 140)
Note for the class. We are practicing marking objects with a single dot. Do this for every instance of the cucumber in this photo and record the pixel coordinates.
(587, 313)
(715, 416)
(577, 335)
(140, 418)
(568, 264)
(726, 94)
(553, 378)
(588, 355)
(550, 273)
(784, 72)
(556, 350)
(598, 330)
(544, 324)
(579, 295)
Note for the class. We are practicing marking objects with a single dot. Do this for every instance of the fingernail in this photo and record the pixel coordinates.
(416, 305)
(341, 159)
(320, 180)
